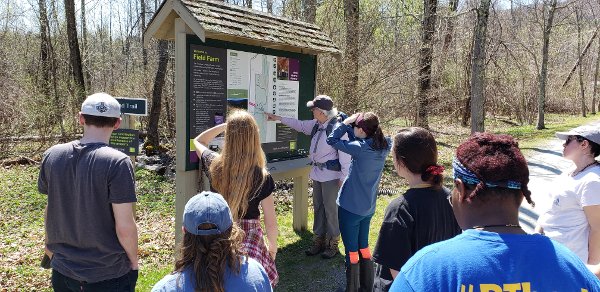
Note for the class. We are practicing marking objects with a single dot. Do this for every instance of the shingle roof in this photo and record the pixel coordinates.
(226, 21)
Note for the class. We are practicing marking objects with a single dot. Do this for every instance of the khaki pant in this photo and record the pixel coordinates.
(326, 209)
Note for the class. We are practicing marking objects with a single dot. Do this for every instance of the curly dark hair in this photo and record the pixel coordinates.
(208, 255)
(495, 158)
(416, 148)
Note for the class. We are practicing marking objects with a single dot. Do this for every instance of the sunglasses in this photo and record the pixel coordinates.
(572, 138)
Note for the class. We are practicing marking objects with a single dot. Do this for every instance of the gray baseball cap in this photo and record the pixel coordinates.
(101, 104)
(207, 207)
(323, 102)
(591, 133)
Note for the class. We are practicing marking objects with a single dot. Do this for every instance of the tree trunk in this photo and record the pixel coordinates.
(425, 59)
(142, 28)
(594, 97)
(467, 110)
(84, 48)
(351, 17)
(478, 68)
(310, 10)
(270, 6)
(74, 53)
(579, 43)
(453, 6)
(48, 68)
(543, 76)
(44, 50)
(159, 83)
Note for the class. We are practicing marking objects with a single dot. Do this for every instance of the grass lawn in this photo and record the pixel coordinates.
(22, 226)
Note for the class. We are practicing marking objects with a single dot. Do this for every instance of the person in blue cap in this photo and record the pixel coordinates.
(210, 256)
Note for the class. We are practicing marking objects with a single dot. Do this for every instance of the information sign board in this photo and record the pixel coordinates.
(223, 76)
(126, 141)
(133, 106)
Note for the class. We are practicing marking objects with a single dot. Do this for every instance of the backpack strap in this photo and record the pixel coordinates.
(314, 130)
(328, 129)
(330, 126)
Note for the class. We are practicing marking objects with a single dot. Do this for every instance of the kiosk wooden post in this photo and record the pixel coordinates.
(185, 181)
(299, 175)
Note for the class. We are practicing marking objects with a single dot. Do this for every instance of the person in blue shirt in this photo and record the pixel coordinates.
(368, 148)
(210, 255)
(493, 253)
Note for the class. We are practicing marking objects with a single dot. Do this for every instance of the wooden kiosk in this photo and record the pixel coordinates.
(214, 43)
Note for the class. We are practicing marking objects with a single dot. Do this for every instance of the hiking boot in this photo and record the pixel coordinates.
(352, 277)
(317, 247)
(331, 247)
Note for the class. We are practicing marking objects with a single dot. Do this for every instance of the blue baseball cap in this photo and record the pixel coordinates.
(207, 207)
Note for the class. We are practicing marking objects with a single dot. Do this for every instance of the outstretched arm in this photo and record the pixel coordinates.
(202, 140)
(305, 126)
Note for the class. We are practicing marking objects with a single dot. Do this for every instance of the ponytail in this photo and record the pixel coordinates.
(433, 175)
(379, 140)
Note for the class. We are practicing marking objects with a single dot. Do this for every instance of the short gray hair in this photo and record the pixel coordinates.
(330, 113)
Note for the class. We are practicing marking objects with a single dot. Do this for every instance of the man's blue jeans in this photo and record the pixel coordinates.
(62, 283)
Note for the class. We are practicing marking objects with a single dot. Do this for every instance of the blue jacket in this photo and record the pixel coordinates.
(358, 193)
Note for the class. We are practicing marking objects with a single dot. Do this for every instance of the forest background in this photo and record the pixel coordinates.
(454, 66)
(461, 61)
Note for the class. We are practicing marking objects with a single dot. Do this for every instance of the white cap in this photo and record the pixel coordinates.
(589, 132)
(102, 105)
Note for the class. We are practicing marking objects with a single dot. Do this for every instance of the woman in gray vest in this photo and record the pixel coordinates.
(329, 169)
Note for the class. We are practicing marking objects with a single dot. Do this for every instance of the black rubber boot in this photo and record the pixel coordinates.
(352, 277)
(367, 275)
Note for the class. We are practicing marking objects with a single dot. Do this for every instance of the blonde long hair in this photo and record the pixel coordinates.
(239, 172)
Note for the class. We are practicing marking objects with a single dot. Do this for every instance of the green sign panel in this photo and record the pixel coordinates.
(126, 141)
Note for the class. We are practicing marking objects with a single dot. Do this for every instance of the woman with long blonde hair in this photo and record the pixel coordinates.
(239, 174)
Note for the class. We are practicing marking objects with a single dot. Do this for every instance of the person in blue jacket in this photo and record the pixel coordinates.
(356, 200)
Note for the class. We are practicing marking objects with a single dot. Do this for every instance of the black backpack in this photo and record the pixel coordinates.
(333, 164)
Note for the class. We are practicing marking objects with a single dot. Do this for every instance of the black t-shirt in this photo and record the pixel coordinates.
(412, 221)
(255, 198)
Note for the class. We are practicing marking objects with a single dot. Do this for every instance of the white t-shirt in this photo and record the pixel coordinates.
(565, 221)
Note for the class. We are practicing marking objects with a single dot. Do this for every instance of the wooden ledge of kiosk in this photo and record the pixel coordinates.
(298, 170)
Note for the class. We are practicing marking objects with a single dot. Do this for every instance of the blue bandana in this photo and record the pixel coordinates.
(468, 177)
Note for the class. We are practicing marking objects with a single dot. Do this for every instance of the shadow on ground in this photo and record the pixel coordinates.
(545, 151)
(296, 269)
(545, 167)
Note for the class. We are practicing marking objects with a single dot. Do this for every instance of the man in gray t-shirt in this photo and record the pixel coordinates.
(91, 233)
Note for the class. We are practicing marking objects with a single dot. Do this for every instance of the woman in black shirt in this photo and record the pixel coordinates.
(239, 174)
(419, 217)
